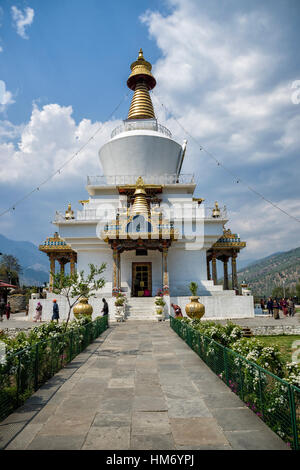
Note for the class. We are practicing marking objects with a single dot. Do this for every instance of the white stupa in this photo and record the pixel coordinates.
(140, 217)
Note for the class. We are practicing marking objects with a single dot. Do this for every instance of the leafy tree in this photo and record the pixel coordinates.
(74, 286)
(10, 268)
(280, 292)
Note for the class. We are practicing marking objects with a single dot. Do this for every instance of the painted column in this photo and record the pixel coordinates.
(208, 269)
(234, 274)
(225, 266)
(62, 266)
(119, 270)
(115, 272)
(72, 265)
(52, 271)
(214, 268)
(165, 271)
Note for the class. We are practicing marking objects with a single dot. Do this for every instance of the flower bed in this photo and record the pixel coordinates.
(31, 359)
(248, 368)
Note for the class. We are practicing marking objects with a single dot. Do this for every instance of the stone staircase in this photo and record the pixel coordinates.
(141, 308)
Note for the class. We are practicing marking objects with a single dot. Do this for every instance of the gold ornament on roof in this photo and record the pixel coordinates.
(141, 81)
(69, 213)
(140, 205)
(216, 211)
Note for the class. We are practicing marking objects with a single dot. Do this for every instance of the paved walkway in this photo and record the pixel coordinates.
(139, 386)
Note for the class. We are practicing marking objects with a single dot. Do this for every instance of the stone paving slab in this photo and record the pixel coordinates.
(138, 387)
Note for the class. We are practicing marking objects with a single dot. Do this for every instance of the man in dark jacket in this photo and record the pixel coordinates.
(55, 315)
(105, 307)
(270, 306)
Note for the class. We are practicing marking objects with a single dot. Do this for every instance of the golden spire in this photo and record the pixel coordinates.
(141, 81)
(140, 205)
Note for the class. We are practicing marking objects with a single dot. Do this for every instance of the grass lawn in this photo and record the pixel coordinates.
(284, 343)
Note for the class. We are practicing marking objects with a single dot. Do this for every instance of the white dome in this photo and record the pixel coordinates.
(140, 151)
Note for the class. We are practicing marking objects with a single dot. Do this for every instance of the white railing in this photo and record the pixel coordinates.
(117, 180)
(141, 124)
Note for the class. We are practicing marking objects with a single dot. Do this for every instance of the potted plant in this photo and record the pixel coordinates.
(194, 309)
(159, 307)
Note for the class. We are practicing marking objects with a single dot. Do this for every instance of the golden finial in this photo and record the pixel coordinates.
(140, 205)
(141, 81)
(216, 211)
(69, 213)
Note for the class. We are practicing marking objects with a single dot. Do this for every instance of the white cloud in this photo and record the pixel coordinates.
(224, 80)
(22, 20)
(6, 97)
(47, 141)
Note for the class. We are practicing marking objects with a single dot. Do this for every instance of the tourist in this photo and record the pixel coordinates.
(38, 314)
(177, 311)
(105, 307)
(291, 308)
(270, 306)
(2, 309)
(55, 315)
(276, 308)
(284, 307)
(262, 304)
(27, 310)
(7, 310)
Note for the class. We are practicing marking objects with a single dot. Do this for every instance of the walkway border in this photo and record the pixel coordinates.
(273, 399)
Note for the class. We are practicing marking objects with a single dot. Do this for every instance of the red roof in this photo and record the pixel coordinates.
(4, 284)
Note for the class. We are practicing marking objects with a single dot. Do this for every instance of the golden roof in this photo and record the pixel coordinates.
(140, 205)
(141, 81)
(55, 243)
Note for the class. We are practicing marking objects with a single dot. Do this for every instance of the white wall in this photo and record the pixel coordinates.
(221, 307)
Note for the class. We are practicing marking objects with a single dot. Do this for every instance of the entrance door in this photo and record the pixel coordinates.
(141, 279)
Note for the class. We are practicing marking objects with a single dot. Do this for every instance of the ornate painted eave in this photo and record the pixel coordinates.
(229, 240)
(55, 243)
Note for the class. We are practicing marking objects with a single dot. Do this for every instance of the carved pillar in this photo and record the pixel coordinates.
(225, 266)
(208, 269)
(234, 274)
(115, 271)
(52, 271)
(119, 270)
(165, 271)
(214, 268)
(62, 266)
(72, 264)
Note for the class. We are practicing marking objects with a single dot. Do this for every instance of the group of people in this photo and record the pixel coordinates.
(55, 311)
(287, 306)
(5, 309)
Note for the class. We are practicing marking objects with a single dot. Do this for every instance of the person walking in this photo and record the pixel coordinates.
(283, 305)
(7, 310)
(270, 306)
(55, 315)
(2, 309)
(105, 309)
(38, 314)
(291, 307)
(276, 308)
(262, 304)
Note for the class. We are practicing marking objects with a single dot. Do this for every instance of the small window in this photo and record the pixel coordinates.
(141, 252)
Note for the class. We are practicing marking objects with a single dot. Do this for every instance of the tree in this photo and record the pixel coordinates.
(74, 286)
(280, 292)
(298, 289)
(11, 268)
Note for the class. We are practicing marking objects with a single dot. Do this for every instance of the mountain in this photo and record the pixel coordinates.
(276, 270)
(35, 264)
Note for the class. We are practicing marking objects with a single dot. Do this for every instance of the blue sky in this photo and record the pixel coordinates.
(225, 69)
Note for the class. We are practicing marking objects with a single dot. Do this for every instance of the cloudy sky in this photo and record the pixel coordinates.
(228, 71)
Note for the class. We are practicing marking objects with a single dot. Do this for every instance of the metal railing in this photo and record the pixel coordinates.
(117, 180)
(25, 371)
(149, 125)
(273, 399)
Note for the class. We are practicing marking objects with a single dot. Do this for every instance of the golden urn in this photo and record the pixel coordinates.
(194, 309)
(82, 308)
